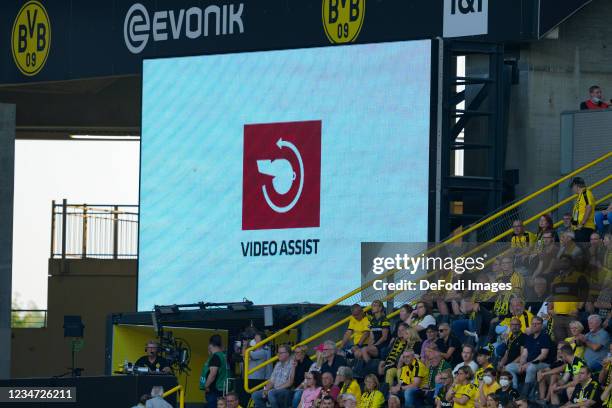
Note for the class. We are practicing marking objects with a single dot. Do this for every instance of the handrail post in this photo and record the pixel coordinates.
(64, 205)
(52, 228)
(84, 250)
(115, 231)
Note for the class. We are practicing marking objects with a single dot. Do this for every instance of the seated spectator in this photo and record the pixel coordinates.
(492, 401)
(232, 400)
(463, 392)
(446, 380)
(328, 388)
(379, 329)
(587, 392)
(436, 365)
(414, 377)
(545, 224)
(517, 311)
(576, 328)
(548, 377)
(420, 319)
(157, 400)
(534, 356)
(596, 343)
(221, 402)
(569, 380)
(522, 242)
(567, 224)
(301, 363)
(327, 402)
(431, 334)
(393, 401)
(278, 390)
(388, 367)
(506, 394)
(331, 360)
(466, 324)
(487, 386)
(595, 100)
(583, 215)
(404, 314)
(311, 391)
(537, 294)
(568, 288)
(449, 345)
(358, 333)
(568, 245)
(414, 340)
(603, 220)
(605, 375)
(484, 363)
(347, 384)
(467, 354)
(596, 251)
(371, 396)
(546, 258)
(349, 401)
(514, 347)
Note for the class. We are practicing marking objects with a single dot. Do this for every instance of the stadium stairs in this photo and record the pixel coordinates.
(483, 234)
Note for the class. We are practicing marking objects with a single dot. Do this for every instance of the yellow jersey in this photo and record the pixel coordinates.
(585, 197)
(414, 370)
(469, 390)
(359, 327)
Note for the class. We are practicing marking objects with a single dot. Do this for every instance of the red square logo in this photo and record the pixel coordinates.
(281, 175)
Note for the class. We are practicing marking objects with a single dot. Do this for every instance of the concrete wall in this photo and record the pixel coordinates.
(555, 75)
(91, 288)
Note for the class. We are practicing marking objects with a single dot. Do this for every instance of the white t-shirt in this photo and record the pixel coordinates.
(427, 321)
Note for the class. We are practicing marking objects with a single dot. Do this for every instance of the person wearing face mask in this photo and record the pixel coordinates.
(506, 393)
(595, 100)
(487, 386)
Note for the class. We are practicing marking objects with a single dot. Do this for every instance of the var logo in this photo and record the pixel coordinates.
(31, 38)
(281, 175)
(343, 19)
(465, 17)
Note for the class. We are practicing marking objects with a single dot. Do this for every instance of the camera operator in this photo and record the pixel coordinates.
(152, 360)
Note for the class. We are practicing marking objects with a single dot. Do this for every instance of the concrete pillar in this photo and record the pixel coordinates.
(7, 168)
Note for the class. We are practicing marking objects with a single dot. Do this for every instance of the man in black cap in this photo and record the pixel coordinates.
(583, 213)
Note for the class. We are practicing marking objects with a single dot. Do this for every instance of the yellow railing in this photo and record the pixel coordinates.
(181, 394)
(248, 370)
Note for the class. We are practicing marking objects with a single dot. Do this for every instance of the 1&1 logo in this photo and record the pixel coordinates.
(31, 38)
(343, 19)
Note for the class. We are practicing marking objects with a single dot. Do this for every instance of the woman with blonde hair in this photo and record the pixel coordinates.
(576, 328)
(371, 396)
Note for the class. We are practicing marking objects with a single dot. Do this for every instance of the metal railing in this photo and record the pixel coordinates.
(28, 318)
(180, 390)
(489, 227)
(94, 231)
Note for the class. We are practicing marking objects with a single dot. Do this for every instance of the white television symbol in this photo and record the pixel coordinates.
(284, 176)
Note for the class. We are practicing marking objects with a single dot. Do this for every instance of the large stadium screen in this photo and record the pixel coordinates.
(262, 172)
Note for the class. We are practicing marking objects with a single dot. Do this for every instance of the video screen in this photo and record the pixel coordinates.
(262, 172)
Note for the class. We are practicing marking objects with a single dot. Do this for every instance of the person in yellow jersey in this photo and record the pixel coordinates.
(487, 386)
(568, 288)
(463, 392)
(358, 332)
(522, 242)
(347, 384)
(414, 380)
(576, 329)
(583, 213)
(371, 396)
(587, 393)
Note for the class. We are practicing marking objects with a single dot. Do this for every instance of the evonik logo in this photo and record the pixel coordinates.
(191, 23)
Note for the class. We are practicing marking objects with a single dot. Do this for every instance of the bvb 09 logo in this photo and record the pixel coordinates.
(343, 19)
(31, 38)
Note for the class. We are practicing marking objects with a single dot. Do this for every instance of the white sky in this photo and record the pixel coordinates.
(96, 172)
